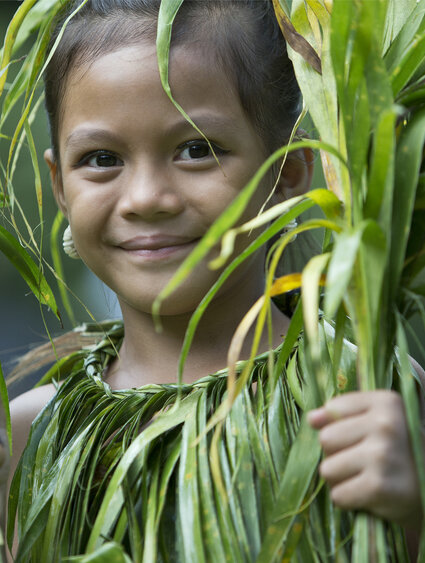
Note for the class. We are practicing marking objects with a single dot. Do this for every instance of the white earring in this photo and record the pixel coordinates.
(68, 244)
(291, 226)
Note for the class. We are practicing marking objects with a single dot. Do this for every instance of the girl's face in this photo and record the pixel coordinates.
(139, 185)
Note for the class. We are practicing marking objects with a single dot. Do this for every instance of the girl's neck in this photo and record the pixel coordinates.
(147, 356)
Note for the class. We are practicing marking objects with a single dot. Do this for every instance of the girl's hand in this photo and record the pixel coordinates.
(369, 461)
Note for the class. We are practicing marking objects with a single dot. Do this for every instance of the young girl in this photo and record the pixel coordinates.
(140, 187)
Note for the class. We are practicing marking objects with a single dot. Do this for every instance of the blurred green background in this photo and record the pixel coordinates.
(22, 325)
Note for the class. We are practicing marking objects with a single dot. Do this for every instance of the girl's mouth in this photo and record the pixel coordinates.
(158, 247)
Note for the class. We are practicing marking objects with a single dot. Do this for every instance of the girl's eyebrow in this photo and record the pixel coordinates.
(203, 121)
(206, 121)
(89, 134)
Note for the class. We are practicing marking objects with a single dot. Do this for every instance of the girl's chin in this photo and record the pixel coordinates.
(168, 308)
(182, 302)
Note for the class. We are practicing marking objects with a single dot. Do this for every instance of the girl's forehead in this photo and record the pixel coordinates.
(126, 83)
(190, 69)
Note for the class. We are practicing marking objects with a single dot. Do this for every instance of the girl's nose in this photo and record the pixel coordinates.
(149, 193)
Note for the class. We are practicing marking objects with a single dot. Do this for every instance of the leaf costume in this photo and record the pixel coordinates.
(132, 475)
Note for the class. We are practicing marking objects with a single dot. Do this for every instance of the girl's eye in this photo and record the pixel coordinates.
(101, 159)
(195, 150)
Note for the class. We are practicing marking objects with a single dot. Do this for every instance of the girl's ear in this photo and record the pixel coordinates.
(56, 179)
(296, 175)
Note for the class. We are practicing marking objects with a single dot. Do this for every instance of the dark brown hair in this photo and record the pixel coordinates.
(242, 36)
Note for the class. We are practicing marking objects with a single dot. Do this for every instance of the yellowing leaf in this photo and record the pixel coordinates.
(289, 283)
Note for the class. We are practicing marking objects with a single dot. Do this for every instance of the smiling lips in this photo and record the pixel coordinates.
(157, 247)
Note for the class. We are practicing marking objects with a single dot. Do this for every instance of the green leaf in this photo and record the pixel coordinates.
(411, 23)
(373, 253)
(189, 503)
(169, 419)
(294, 485)
(31, 273)
(369, 539)
(217, 536)
(4, 397)
(35, 18)
(109, 552)
(156, 505)
(11, 34)
(31, 94)
(378, 204)
(413, 94)
(167, 13)
(38, 508)
(403, 18)
(409, 63)
(311, 277)
(370, 238)
(407, 168)
(319, 91)
(411, 403)
(340, 269)
(245, 456)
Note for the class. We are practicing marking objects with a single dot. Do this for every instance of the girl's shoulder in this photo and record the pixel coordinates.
(30, 403)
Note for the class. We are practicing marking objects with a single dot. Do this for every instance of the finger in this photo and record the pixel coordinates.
(318, 418)
(348, 404)
(328, 414)
(365, 491)
(350, 494)
(344, 433)
(343, 406)
(341, 466)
